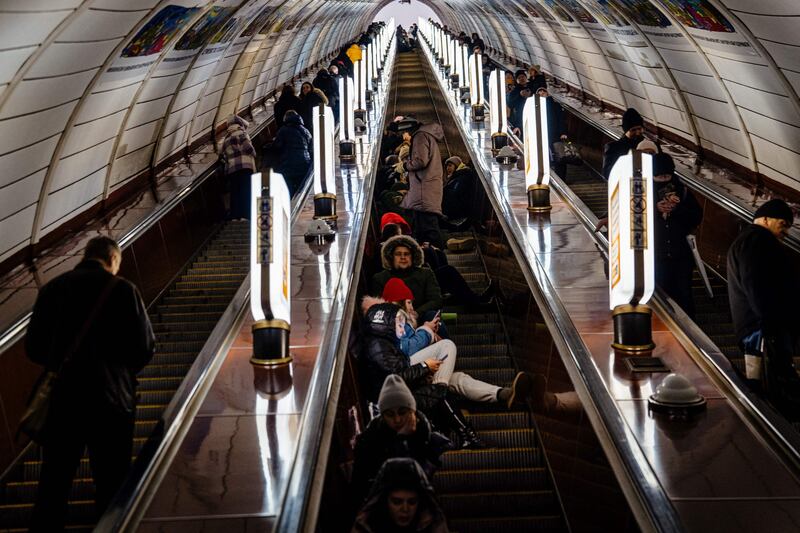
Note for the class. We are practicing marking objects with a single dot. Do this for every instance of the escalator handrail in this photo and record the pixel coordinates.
(648, 499)
(18, 327)
(305, 479)
(179, 413)
(705, 187)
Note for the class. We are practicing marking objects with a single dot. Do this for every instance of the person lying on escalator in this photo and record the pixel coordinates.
(401, 501)
(399, 431)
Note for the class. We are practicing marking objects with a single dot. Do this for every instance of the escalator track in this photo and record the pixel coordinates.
(183, 318)
(508, 486)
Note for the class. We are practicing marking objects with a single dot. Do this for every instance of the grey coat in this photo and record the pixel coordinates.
(425, 173)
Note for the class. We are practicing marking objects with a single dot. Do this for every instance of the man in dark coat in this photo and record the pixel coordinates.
(330, 88)
(677, 215)
(287, 101)
(399, 431)
(293, 148)
(459, 189)
(515, 101)
(425, 181)
(763, 291)
(633, 126)
(94, 400)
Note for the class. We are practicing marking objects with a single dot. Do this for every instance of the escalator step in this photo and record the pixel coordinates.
(511, 524)
(496, 376)
(486, 479)
(175, 358)
(191, 325)
(482, 350)
(464, 339)
(509, 438)
(164, 370)
(504, 504)
(178, 347)
(461, 328)
(503, 420)
(469, 364)
(157, 384)
(227, 284)
(491, 458)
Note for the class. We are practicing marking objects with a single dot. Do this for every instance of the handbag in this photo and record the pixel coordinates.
(567, 153)
(34, 420)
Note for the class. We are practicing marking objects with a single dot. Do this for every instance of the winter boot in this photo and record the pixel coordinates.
(467, 438)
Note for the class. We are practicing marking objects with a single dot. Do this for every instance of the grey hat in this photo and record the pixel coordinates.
(395, 393)
(455, 161)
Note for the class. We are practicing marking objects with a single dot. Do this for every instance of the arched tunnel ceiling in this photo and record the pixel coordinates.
(94, 93)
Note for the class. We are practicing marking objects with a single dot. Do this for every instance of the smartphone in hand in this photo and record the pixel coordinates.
(444, 357)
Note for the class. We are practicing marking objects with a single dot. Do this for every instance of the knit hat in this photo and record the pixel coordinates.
(662, 164)
(455, 161)
(396, 290)
(631, 118)
(395, 393)
(394, 218)
(647, 146)
(775, 208)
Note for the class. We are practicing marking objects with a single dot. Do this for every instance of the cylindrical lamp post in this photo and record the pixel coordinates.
(536, 145)
(366, 68)
(347, 132)
(270, 275)
(631, 261)
(360, 112)
(497, 110)
(456, 71)
(324, 171)
(476, 86)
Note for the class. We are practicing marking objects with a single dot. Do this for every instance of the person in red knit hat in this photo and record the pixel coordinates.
(443, 352)
(394, 218)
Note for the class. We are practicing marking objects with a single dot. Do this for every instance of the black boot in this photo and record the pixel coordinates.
(467, 438)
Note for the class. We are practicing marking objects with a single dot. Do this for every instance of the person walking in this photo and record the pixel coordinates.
(92, 327)
(425, 180)
(239, 157)
(292, 145)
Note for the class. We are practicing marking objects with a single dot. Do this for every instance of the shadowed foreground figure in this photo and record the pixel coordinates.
(94, 400)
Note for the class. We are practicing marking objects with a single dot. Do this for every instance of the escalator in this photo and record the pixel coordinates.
(183, 318)
(508, 486)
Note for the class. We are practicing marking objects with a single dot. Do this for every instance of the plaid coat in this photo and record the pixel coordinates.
(237, 149)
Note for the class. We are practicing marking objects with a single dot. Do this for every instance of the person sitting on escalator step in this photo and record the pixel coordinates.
(401, 500)
(399, 431)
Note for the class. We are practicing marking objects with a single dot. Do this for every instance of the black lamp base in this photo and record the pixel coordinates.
(271, 343)
(539, 199)
(478, 113)
(499, 140)
(347, 151)
(325, 207)
(454, 81)
(633, 328)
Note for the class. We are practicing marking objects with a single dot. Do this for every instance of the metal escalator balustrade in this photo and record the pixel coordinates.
(182, 320)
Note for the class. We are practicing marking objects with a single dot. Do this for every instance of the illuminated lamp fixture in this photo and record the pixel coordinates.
(463, 73)
(324, 172)
(347, 131)
(447, 48)
(497, 110)
(476, 86)
(631, 260)
(536, 145)
(360, 113)
(365, 76)
(457, 70)
(373, 63)
(270, 275)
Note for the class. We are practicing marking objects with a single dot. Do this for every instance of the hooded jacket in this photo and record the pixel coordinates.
(327, 84)
(237, 149)
(379, 442)
(420, 279)
(308, 106)
(293, 146)
(425, 173)
(381, 356)
(400, 473)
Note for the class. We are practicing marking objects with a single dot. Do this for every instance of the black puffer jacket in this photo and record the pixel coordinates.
(293, 147)
(381, 356)
(616, 149)
(328, 85)
(379, 442)
(671, 232)
(458, 192)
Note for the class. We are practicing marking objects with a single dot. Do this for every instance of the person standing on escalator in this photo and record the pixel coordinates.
(763, 291)
(239, 157)
(633, 126)
(91, 327)
(425, 180)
